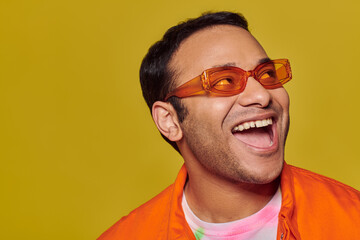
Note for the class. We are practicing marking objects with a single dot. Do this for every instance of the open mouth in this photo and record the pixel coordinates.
(258, 133)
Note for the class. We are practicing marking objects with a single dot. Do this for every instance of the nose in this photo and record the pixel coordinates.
(254, 95)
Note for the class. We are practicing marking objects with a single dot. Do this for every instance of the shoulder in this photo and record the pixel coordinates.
(152, 219)
(321, 203)
(308, 181)
(146, 220)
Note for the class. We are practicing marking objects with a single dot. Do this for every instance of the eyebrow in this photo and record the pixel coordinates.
(233, 64)
(264, 60)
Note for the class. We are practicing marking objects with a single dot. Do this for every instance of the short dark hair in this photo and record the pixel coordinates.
(155, 76)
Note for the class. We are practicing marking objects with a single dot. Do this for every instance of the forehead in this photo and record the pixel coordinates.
(215, 46)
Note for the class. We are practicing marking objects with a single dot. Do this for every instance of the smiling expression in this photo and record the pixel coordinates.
(240, 138)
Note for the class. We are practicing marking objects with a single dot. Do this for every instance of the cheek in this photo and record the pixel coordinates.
(208, 109)
(281, 96)
(220, 108)
(217, 109)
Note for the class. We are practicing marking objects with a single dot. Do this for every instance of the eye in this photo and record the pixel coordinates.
(223, 82)
(267, 76)
(267, 73)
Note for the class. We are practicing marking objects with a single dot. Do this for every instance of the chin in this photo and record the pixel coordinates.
(263, 174)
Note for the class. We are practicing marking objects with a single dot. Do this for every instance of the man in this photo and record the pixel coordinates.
(219, 100)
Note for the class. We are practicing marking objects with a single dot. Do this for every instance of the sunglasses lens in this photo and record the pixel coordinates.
(273, 74)
(226, 81)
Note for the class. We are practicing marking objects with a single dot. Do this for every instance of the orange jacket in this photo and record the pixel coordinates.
(313, 207)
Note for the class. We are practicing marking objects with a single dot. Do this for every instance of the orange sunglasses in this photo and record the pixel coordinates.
(228, 81)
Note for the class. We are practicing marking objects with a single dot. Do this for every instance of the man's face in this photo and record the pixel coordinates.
(254, 155)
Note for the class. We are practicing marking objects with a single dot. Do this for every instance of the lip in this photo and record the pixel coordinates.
(258, 117)
(274, 147)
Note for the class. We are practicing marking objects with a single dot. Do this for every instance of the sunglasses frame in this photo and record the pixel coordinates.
(201, 85)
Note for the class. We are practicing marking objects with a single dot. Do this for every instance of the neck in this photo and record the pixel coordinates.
(217, 200)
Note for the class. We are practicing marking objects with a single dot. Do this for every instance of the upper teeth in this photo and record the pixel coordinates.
(253, 124)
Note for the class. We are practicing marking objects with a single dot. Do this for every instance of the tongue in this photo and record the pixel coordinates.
(256, 137)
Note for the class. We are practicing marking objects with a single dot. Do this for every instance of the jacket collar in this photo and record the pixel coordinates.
(287, 215)
(178, 227)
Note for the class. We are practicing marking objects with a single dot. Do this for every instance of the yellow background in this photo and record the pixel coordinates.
(78, 148)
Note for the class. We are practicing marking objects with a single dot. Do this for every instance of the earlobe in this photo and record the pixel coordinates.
(166, 120)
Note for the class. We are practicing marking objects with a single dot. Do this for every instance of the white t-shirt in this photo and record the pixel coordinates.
(259, 226)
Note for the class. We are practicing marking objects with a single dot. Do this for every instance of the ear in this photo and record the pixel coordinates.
(166, 120)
